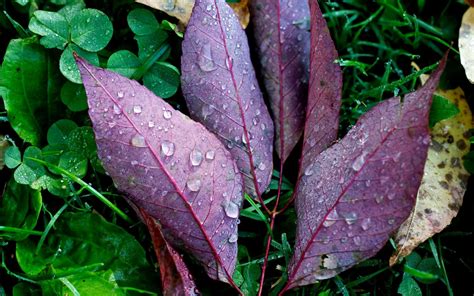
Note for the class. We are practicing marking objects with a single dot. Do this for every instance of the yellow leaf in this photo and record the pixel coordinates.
(444, 181)
(466, 43)
(241, 9)
(181, 9)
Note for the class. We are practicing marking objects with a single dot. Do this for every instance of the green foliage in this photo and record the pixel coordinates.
(95, 257)
(20, 208)
(63, 248)
(31, 86)
(442, 109)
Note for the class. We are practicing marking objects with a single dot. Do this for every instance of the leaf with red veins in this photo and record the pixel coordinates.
(283, 45)
(325, 91)
(169, 165)
(356, 193)
(175, 276)
(221, 91)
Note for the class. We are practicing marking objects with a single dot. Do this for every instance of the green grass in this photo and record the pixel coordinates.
(377, 42)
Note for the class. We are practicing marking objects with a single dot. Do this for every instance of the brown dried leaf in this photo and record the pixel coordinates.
(181, 9)
(466, 43)
(444, 182)
(3, 147)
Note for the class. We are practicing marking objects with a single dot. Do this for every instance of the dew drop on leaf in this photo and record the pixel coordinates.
(359, 162)
(167, 148)
(205, 61)
(231, 209)
(137, 109)
(194, 184)
(233, 238)
(351, 218)
(210, 155)
(138, 141)
(195, 157)
(120, 94)
(167, 114)
(365, 223)
(331, 218)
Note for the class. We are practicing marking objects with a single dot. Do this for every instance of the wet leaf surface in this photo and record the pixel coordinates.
(221, 91)
(357, 192)
(283, 45)
(444, 181)
(168, 165)
(325, 91)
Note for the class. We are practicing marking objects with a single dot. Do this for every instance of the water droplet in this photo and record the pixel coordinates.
(231, 209)
(120, 94)
(331, 218)
(137, 109)
(167, 114)
(359, 162)
(379, 199)
(233, 238)
(262, 166)
(195, 157)
(205, 60)
(117, 109)
(194, 184)
(210, 154)
(138, 141)
(167, 148)
(151, 124)
(350, 218)
(308, 171)
(357, 240)
(365, 223)
(391, 221)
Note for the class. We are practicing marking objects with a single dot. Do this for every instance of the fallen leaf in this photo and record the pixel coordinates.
(169, 165)
(182, 9)
(325, 91)
(175, 276)
(444, 181)
(466, 43)
(241, 9)
(283, 45)
(222, 92)
(360, 190)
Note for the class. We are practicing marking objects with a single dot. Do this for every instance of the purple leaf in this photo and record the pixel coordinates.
(169, 165)
(325, 91)
(356, 193)
(221, 90)
(175, 276)
(283, 44)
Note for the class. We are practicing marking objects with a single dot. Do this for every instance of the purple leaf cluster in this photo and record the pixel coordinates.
(188, 176)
